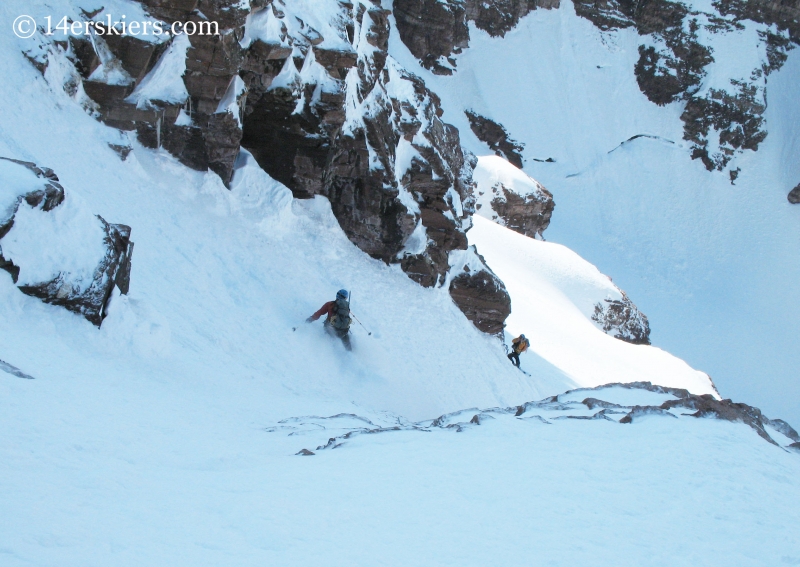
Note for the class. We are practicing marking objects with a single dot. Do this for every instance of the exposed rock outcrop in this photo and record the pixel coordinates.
(705, 405)
(498, 17)
(387, 162)
(436, 30)
(507, 196)
(623, 320)
(480, 294)
(342, 119)
(677, 52)
(433, 30)
(794, 195)
(125, 82)
(557, 408)
(496, 137)
(75, 267)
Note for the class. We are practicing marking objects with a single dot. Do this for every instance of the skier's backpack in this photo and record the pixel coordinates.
(341, 315)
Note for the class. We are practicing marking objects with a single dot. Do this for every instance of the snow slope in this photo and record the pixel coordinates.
(144, 471)
(713, 265)
(145, 442)
(553, 293)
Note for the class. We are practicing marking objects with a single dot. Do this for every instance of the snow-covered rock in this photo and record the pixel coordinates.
(622, 319)
(629, 403)
(509, 197)
(54, 248)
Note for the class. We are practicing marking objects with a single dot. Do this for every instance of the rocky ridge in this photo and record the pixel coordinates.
(496, 137)
(580, 404)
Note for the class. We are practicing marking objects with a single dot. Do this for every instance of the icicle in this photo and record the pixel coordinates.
(158, 130)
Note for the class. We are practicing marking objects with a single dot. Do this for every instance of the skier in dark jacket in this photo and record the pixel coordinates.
(518, 346)
(338, 319)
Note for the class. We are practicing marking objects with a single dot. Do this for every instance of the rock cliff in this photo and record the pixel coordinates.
(436, 30)
(317, 100)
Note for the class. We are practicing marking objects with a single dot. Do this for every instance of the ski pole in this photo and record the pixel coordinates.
(360, 323)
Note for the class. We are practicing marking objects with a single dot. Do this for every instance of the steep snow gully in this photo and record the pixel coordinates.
(180, 420)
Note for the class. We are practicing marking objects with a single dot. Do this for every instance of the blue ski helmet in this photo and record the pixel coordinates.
(522, 337)
(342, 294)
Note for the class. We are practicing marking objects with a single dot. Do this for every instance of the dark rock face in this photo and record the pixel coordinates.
(389, 166)
(736, 118)
(435, 30)
(496, 137)
(296, 131)
(212, 63)
(622, 319)
(211, 139)
(794, 195)
(498, 17)
(527, 214)
(112, 268)
(483, 299)
(785, 16)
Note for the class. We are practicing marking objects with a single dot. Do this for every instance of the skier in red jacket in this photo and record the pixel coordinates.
(338, 319)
